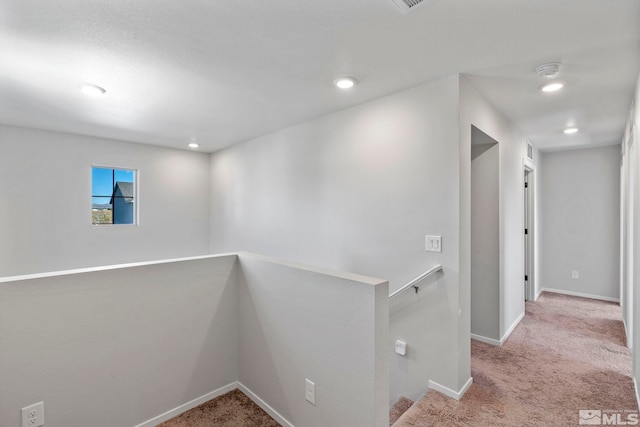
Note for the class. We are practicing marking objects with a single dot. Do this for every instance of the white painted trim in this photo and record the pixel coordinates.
(538, 294)
(528, 164)
(107, 268)
(635, 387)
(261, 403)
(457, 395)
(219, 392)
(580, 294)
(465, 387)
(486, 340)
(315, 269)
(626, 336)
(189, 405)
(511, 329)
(495, 342)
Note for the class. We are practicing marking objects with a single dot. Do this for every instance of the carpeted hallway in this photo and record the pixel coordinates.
(567, 354)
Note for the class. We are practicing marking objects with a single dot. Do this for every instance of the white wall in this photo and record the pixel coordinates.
(538, 221)
(127, 345)
(477, 111)
(45, 215)
(628, 179)
(634, 261)
(357, 191)
(631, 263)
(120, 346)
(300, 322)
(625, 298)
(411, 314)
(581, 193)
(485, 243)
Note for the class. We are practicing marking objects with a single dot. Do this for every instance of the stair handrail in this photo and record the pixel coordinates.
(414, 283)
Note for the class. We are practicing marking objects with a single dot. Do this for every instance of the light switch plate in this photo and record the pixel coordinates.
(433, 243)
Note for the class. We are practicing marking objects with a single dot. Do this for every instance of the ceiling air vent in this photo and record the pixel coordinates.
(406, 5)
(529, 151)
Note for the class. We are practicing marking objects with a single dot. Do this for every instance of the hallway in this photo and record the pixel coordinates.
(568, 354)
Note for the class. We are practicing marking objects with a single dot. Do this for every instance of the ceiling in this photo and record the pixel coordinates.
(221, 72)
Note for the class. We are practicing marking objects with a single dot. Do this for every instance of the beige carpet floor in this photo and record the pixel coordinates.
(568, 354)
(400, 407)
(233, 409)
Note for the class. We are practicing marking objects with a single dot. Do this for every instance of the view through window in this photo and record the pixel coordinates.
(113, 197)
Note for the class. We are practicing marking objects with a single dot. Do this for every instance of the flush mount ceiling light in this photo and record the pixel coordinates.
(549, 70)
(91, 90)
(194, 145)
(569, 131)
(345, 82)
(552, 87)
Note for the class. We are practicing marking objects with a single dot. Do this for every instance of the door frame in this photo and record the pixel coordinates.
(529, 240)
(630, 247)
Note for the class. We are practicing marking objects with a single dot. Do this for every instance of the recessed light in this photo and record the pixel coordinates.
(194, 145)
(569, 131)
(91, 90)
(552, 87)
(345, 82)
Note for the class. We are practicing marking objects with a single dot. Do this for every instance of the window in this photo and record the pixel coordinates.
(113, 196)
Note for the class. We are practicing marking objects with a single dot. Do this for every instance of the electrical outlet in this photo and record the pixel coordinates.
(575, 274)
(33, 415)
(310, 391)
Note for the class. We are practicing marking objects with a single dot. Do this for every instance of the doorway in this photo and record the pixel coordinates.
(529, 231)
(485, 237)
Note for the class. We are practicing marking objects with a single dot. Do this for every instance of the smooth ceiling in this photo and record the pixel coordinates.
(223, 72)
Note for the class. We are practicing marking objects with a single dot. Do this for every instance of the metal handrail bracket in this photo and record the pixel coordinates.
(414, 283)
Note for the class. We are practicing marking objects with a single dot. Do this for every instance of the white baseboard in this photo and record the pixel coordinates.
(457, 395)
(261, 403)
(486, 340)
(511, 329)
(538, 295)
(580, 294)
(212, 395)
(635, 386)
(189, 405)
(626, 336)
(495, 342)
(465, 387)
